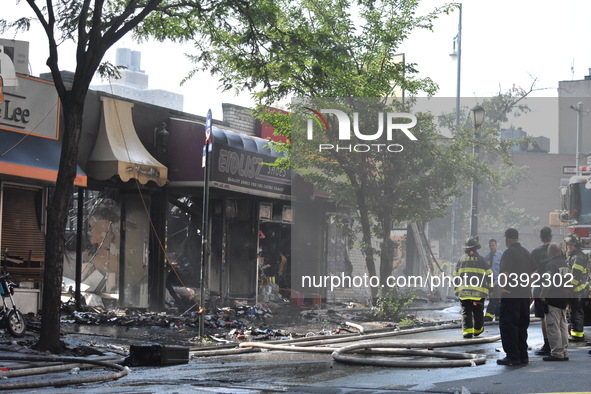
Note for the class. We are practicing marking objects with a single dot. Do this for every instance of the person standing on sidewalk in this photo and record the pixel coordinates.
(515, 295)
(475, 274)
(578, 264)
(555, 297)
(540, 256)
(493, 258)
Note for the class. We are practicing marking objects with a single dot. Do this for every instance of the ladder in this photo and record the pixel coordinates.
(426, 256)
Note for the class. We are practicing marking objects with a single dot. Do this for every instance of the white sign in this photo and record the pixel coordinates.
(32, 107)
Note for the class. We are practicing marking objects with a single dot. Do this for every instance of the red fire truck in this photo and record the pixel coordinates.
(576, 205)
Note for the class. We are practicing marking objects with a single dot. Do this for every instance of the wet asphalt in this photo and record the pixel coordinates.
(295, 372)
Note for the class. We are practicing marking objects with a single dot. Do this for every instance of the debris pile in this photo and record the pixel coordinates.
(238, 323)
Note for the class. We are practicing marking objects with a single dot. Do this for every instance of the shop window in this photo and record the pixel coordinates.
(100, 242)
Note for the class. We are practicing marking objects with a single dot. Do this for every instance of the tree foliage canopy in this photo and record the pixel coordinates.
(317, 48)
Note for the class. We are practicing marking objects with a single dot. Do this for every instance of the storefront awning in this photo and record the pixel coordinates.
(119, 151)
(33, 157)
(238, 162)
(241, 163)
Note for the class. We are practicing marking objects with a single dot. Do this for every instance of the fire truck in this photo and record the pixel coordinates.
(576, 205)
(576, 212)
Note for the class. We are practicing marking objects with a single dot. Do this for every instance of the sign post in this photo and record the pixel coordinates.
(205, 219)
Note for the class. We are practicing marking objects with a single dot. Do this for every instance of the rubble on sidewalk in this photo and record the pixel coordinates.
(227, 324)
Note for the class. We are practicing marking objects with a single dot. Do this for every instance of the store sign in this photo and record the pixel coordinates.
(32, 107)
(248, 172)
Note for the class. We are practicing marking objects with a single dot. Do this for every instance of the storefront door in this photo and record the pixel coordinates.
(241, 258)
(135, 242)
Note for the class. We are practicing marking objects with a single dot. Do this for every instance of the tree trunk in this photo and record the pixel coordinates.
(387, 250)
(57, 215)
(366, 248)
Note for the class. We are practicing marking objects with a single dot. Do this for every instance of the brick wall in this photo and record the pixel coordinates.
(240, 119)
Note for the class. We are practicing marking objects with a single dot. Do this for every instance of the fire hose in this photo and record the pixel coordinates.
(400, 348)
(121, 371)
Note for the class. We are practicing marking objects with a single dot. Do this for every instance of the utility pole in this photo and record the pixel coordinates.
(456, 53)
(579, 110)
(205, 220)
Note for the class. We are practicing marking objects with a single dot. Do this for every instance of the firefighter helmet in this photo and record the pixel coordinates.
(572, 239)
(472, 243)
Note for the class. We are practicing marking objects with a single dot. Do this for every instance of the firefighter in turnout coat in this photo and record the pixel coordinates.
(474, 286)
(578, 265)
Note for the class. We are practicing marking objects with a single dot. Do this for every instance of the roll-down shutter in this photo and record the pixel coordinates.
(21, 224)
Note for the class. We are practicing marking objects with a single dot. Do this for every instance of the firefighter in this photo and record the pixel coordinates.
(578, 265)
(474, 285)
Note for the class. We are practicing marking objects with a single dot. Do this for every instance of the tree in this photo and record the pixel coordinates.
(495, 212)
(318, 48)
(414, 184)
(95, 26)
(346, 50)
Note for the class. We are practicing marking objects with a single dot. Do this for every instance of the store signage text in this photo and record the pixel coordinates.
(15, 114)
(31, 108)
(248, 171)
(246, 166)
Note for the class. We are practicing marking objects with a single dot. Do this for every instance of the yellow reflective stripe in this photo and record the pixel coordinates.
(492, 315)
(478, 331)
(473, 270)
(481, 289)
(468, 331)
(580, 268)
(579, 288)
(577, 334)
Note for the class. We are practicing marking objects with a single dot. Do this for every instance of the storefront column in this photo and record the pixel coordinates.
(157, 261)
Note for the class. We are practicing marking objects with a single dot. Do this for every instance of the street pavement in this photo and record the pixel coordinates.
(295, 372)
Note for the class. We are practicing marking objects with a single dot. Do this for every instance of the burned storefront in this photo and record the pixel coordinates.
(142, 213)
(249, 214)
(119, 218)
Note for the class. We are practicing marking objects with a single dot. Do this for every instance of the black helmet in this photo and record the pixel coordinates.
(472, 243)
(572, 239)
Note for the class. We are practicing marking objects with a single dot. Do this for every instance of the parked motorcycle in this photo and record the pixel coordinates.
(11, 318)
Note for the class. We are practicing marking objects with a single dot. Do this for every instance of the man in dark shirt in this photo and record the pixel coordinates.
(540, 256)
(555, 296)
(515, 292)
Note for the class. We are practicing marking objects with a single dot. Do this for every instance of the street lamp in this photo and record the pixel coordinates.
(161, 138)
(456, 54)
(477, 119)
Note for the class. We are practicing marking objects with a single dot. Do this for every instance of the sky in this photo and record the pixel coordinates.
(504, 44)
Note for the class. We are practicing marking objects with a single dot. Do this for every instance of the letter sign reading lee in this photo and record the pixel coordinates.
(32, 107)
(14, 114)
